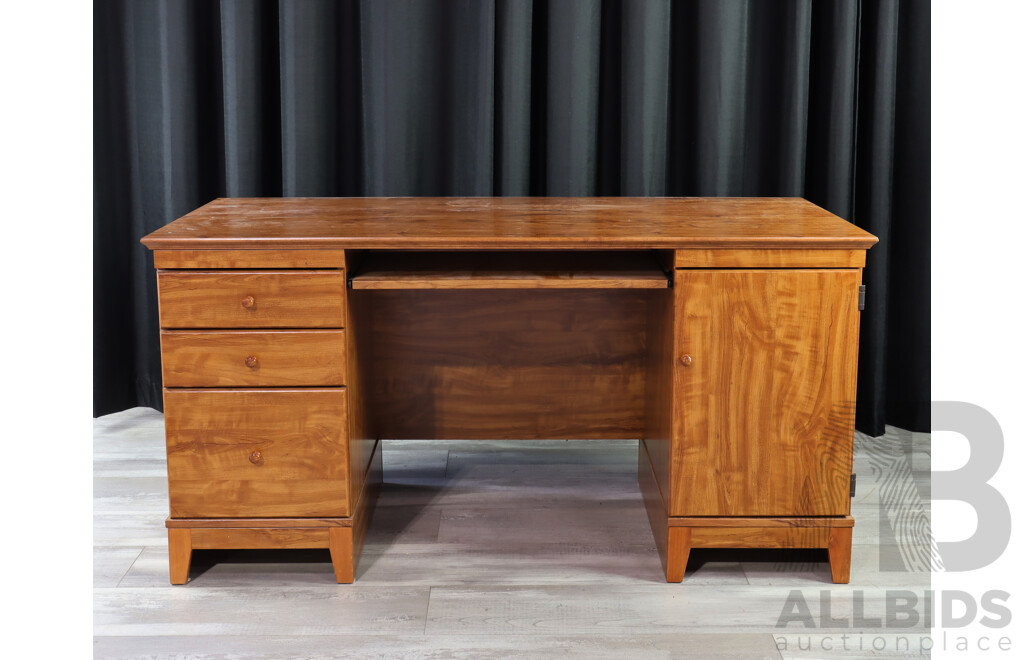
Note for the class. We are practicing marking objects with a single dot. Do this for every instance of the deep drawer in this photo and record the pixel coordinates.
(257, 453)
(253, 358)
(252, 299)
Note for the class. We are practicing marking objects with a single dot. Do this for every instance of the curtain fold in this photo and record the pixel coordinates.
(198, 99)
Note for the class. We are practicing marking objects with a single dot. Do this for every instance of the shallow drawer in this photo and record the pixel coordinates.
(257, 453)
(252, 299)
(253, 358)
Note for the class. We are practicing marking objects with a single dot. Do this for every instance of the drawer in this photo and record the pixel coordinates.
(257, 453)
(252, 299)
(252, 358)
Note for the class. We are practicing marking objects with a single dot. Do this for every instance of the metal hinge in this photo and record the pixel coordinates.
(861, 295)
(853, 485)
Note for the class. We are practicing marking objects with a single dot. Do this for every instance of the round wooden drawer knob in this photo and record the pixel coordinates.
(256, 457)
(252, 362)
(248, 302)
(685, 360)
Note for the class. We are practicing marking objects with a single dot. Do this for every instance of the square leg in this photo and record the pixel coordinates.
(679, 539)
(840, 548)
(179, 547)
(342, 554)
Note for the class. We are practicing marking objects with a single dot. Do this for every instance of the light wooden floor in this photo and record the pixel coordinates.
(492, 550)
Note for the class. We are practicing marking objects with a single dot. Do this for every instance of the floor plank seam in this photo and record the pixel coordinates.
(129, 569)
(426, 615)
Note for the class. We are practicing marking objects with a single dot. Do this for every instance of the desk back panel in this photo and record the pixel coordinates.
(508, 364)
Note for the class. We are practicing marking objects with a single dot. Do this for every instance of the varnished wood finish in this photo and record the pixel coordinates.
(809, 521)
(780, 258)
(362, 434)
(674, 536)
(840, 548)
(758, 537)
(343, 554)
(346, 543)
(511, 270)
(279, 299)
(206, 538)
(679, 544)
(509, 223)
(253, 358)
(228, 523)
(179, 552)
(659, 392)
(509, 364)
(344, 537)
(204, 259)
(301, 434)
(654, 504)
(765, 413)
(740, 379)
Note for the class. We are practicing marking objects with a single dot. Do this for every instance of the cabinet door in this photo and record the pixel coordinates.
(763, 420)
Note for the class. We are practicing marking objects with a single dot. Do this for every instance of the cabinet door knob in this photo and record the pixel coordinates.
(248, 302)
(256, 458)
(685, 360)
(252, 362)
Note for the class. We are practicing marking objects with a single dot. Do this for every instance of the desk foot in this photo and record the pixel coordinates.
(179, 550)
(678, 553)
(840, 547)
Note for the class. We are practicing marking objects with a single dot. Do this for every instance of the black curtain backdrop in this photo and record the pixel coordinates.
(826, 100)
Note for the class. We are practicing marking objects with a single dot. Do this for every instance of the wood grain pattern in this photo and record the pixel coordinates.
(508, 223)
(654, 504)
(765, 413)
(362, 434)
(679, 544)
(281, 358)
(301, 435)
(179, 552)
(758, 537)
(511, 270)
(343, 554)
(736, 521)
(344, 537)
(777, 258)
(840, 549)
(346, 543)
(509, 364)
(280, 299)
(206, 538)
(675, 536)
(232, 523)
(249, 259)
(659, 388)
(741, 382)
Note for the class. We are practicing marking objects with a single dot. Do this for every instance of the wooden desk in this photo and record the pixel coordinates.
(296, 333)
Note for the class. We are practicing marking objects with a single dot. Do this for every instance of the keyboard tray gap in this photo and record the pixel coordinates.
(557, 269)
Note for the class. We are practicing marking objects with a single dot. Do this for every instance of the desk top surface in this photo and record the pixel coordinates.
(509, 223)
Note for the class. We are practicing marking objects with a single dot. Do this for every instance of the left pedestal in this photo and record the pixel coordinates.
(344, 537)
(267, 443)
